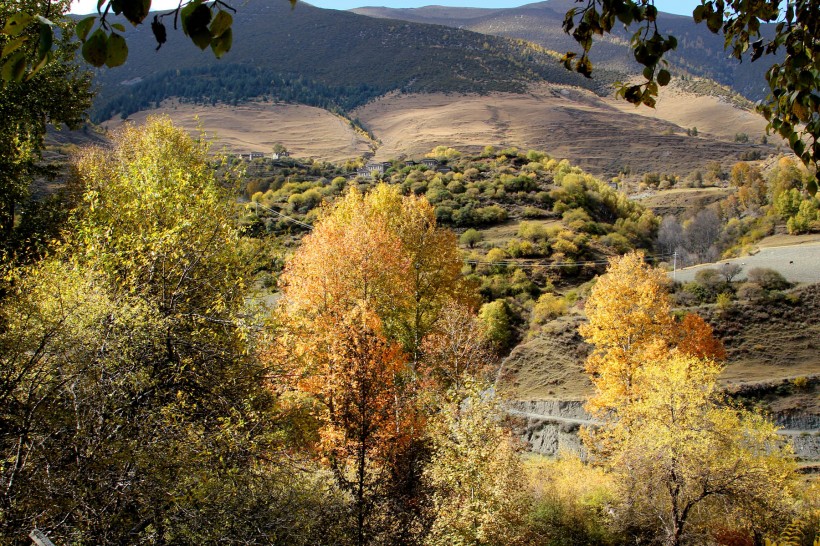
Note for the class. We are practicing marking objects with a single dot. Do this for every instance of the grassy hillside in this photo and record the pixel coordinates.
(326, 58)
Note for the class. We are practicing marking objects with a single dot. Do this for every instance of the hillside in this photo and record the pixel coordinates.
(699, 52)
(593, 132)
(297, 55)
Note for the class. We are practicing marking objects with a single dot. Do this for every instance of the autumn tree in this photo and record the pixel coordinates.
(682, 454)
(476, 473)
(458, 351)
(686, 460)
(131, 406)
(353, 376)
(381, 255)
(627, 312)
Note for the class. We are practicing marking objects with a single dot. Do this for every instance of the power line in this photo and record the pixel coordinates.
(284, 216)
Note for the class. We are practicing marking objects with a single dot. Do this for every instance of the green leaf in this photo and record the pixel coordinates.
(14, 68)
(648, 72)
(16, 24)
(221, 23)
(12, 45)
(39, 66)
(117, 51)
(95, 49)
(84, 27)
(136, 10)
(663, 77)
(222, 44)
(46, 41)
(118, 26)
(186, 12)
(698, 14)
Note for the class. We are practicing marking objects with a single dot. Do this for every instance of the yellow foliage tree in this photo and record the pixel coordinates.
(476, 474)
(683, 456)
(686, 460)
(627, 311)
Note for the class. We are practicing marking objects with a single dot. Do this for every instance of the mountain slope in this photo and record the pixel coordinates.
(699, 52)
(325, 58)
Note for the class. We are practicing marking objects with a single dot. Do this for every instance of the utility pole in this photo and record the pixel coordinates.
(675, 266)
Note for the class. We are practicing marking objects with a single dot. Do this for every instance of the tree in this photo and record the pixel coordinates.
(687, 459)
(471, 237)
(792, 107)
(353, 374)
(129, 388)
(681, 453)
(628, 311)
(476, 473)
(59, 92)
(403, 273)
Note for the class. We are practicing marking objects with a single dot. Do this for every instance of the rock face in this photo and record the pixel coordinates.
(551, 426)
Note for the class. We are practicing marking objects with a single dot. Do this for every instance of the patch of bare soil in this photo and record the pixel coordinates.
(684, 202)
(306, 132)
(550, 365)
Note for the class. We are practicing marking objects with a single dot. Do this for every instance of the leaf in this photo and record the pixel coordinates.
(136, 10)
(663, 77)
(221, 23)
(715, 22)
(698, 14)
(160, 34)
(46, 41)
(83, 27)
(95, 48)
(16, 24)
(117, 51)
(118, 26)
(14, 68)
(222, 44)
(13, 45)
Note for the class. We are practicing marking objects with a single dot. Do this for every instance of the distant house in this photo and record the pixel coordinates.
(430, 163)
(376, 168)
(363, 173)
(250, 156)
(279, 155)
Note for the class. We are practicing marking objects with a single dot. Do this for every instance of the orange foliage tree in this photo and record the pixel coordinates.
(353, 380)
(370, 287)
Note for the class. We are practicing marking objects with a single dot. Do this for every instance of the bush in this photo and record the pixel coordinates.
(751, 291)
(470, 237)
(768, 279)
(548, 307)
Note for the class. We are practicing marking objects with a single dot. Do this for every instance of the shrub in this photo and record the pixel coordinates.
(768, 279)
(469, 237)
(548, 307)
(751, 291)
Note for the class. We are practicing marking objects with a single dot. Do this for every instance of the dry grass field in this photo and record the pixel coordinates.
(307, 132)
(599, 134)
(683, 202)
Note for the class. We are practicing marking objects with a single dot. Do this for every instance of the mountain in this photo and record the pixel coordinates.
(327, 58)
(699, 52)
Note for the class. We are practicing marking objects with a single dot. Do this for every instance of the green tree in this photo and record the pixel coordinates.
(58, 93)
(130, 392)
